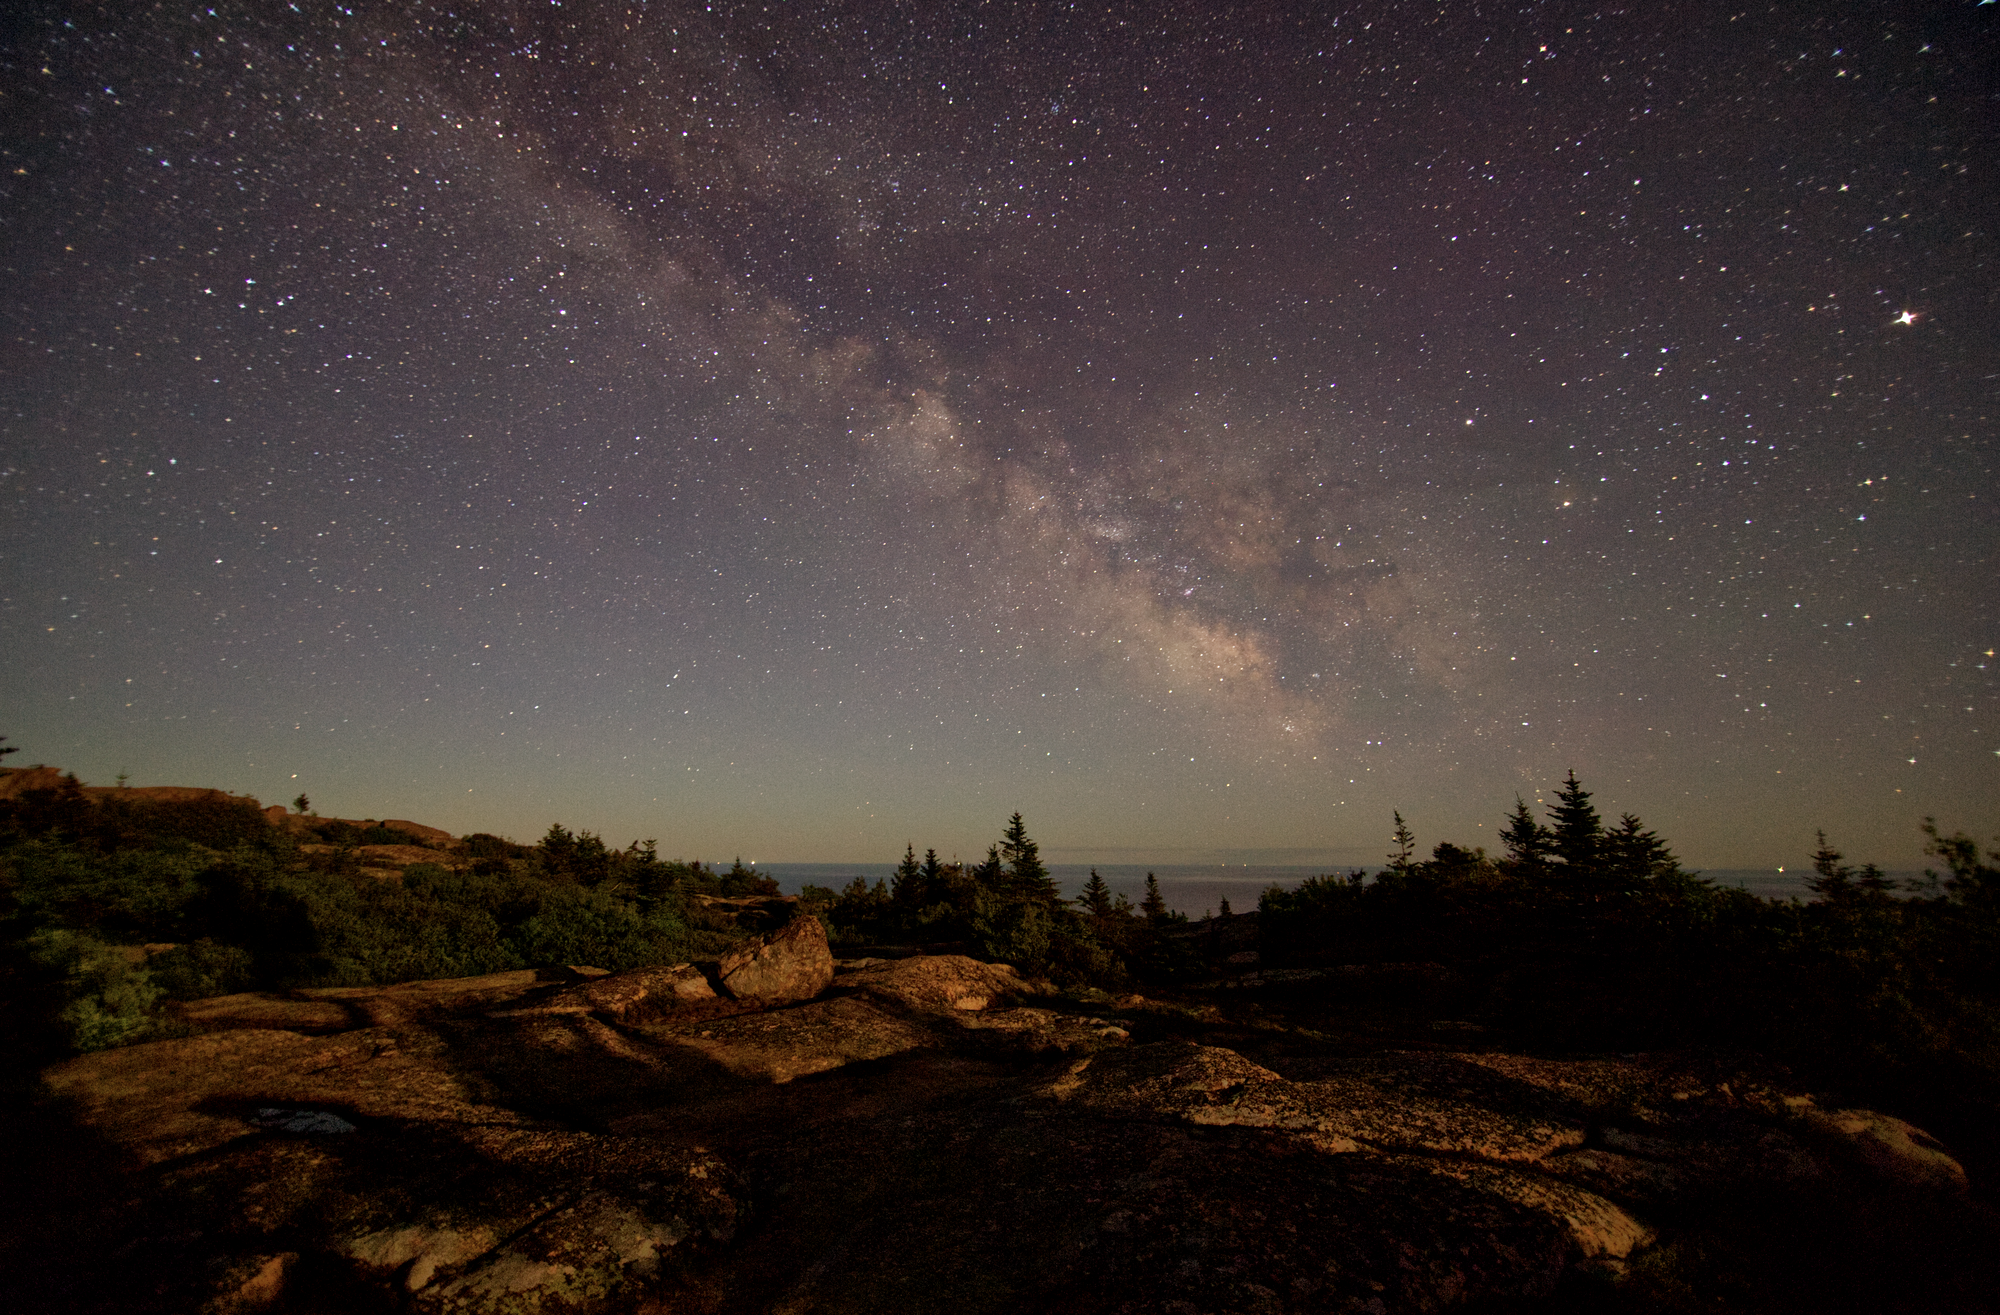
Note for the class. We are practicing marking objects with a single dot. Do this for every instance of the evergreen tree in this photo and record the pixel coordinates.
(1025, 871)
(908, 885)
(933, 872)
(1834, 880)
(1405, 841)
(1577, 834)
(1096, 897)
(1154, 906)
(1636, 854)
(1528, 841)
(990, 875)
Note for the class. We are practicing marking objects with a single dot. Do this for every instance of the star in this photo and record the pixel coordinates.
(1907, 317)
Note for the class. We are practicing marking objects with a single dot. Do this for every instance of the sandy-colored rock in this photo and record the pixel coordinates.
(432, 836)
(792, 963)
(263, 1009)
(815, 1037)
(253, 1283)
(1888, 1146)
(938, 983)
(628, 996)
(593, 1142)
(1374, 1105)
(401, 856)
(389, 1006)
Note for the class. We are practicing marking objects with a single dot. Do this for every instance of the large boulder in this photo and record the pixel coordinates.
(792, 963)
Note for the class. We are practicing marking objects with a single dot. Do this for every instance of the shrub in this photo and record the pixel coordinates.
(109, 999)
(200, 969)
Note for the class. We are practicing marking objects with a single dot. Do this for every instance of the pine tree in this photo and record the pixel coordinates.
(1025, 871)
(1405, 841)
(1577, 834)
(1096, 897)
(1154, 906)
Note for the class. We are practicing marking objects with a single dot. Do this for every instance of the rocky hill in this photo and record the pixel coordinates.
(781, 1131)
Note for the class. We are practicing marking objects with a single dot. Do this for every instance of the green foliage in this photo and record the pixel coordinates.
(108, 999)
(226, 903)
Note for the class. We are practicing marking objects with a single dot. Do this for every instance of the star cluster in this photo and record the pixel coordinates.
(790, 430)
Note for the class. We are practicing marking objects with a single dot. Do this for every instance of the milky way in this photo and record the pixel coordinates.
(790, 431)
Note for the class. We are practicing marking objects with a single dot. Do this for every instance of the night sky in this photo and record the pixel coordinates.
(792, 430)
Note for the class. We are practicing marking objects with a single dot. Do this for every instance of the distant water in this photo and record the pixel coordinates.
(1199, 889)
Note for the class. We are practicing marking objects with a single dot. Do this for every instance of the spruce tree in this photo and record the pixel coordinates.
(1578, 834)
(1154, 906)
(990, 875)
(1527, 840)
(907, 888)
(1096, 897)
(1636, 854)
(1835, 880)
(1025, 871)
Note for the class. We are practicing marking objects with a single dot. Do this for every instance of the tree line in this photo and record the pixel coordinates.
(1008, 908)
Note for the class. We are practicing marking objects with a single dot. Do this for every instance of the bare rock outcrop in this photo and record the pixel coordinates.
(927, 1133)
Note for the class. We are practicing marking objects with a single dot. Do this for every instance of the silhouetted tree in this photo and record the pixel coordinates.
(1577, 833)
(1973, 881)
(1154, 906)
(1528, 842)
(908, 888)
(1833, 880)
(1405, 842)
(990, 875)
(1025, 871)
(1634, 854)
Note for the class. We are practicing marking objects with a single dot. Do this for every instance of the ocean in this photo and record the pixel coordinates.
(1200, 889)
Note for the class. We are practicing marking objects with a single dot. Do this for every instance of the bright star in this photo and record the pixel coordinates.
(1907, 317)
